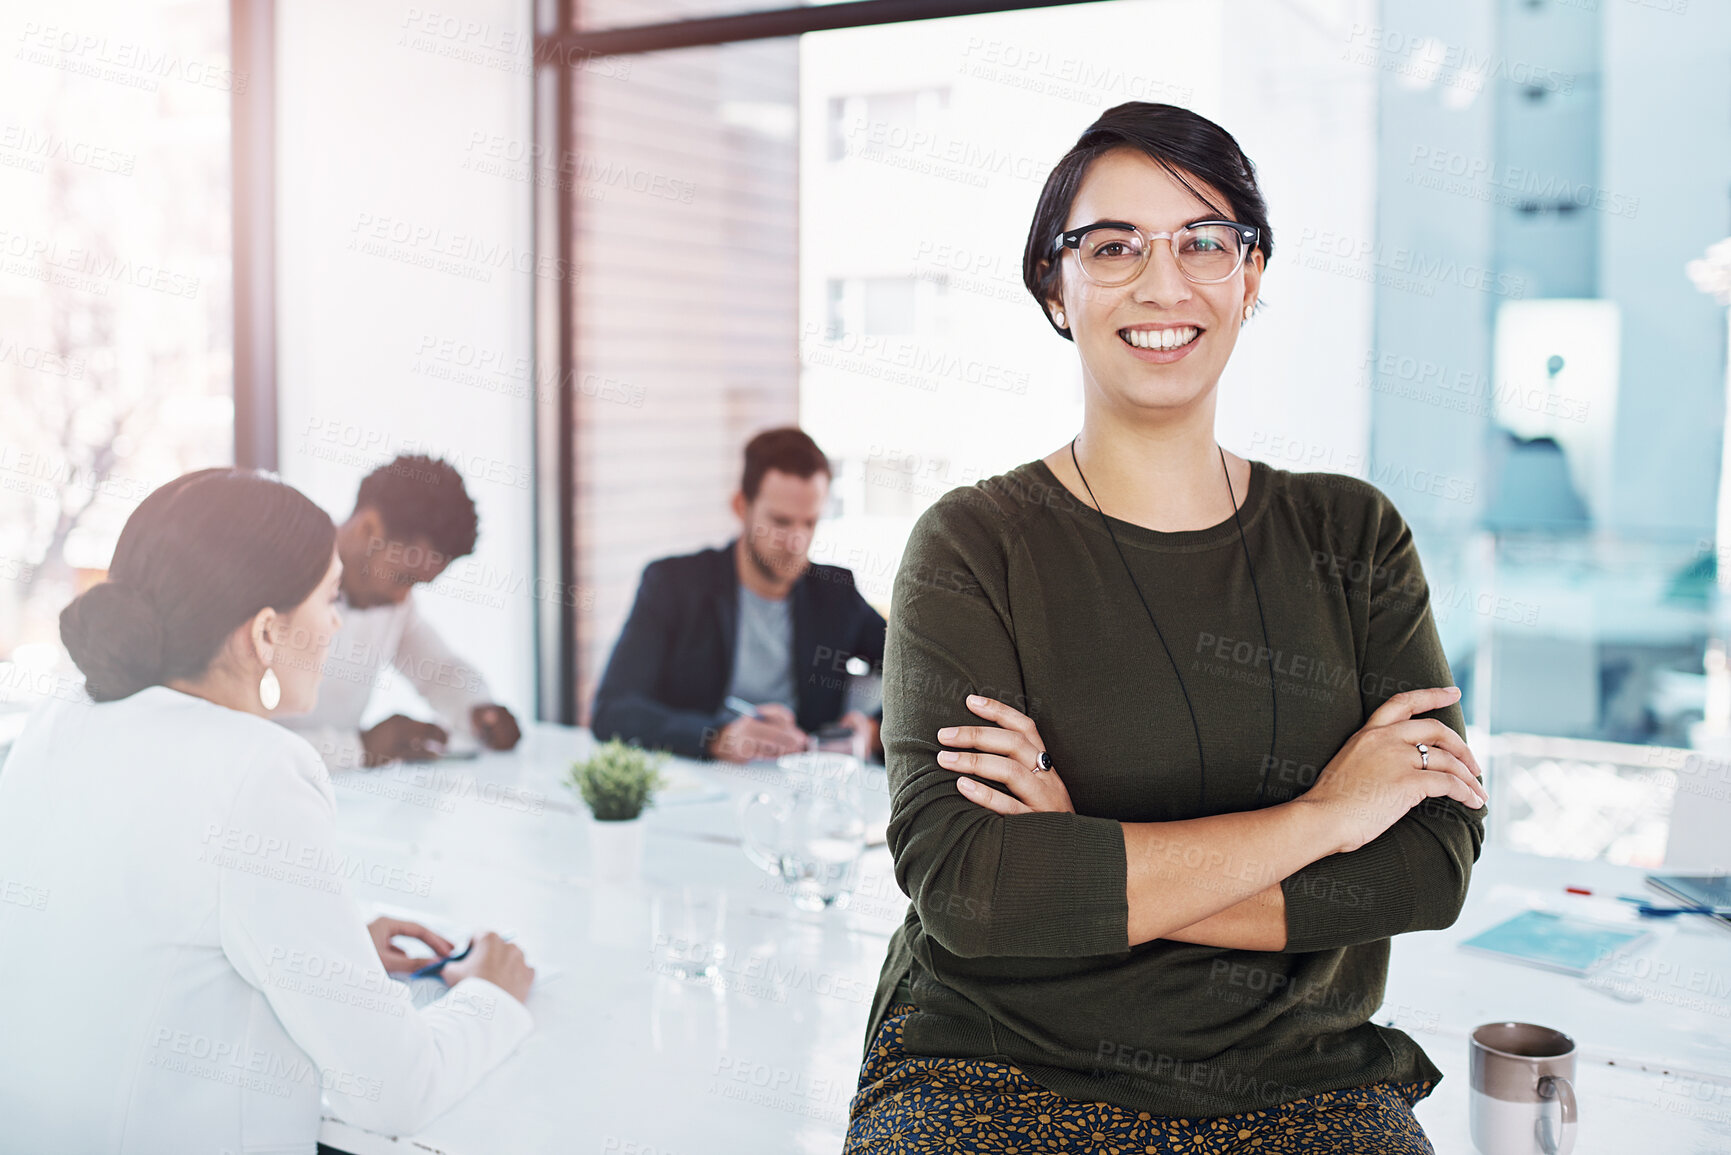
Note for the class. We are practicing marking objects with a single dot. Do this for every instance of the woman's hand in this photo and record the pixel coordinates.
(499, 962)
(1378, 776)
(1008, 755)
(384, 930)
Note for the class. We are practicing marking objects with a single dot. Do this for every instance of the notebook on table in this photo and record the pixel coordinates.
(1556, 942)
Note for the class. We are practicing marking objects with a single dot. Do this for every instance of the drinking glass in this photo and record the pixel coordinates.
(815, 831)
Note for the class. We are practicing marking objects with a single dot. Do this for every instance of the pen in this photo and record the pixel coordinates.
(740, 706)
(1645, 906)
(437, 966)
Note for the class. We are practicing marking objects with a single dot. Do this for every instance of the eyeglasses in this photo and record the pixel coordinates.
(1116, 252)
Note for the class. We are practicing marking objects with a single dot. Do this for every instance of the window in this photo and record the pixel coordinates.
(115, 325)
(688, 301)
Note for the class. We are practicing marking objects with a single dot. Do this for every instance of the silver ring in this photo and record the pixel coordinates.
(1423, 756)
(1043, 763)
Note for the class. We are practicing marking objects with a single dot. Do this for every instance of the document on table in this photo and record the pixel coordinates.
(682, 784)
(1557, 942)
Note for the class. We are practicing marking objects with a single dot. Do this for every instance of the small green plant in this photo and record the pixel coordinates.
(617, 780)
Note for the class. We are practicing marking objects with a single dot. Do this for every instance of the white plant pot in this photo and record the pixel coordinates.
(616, 849)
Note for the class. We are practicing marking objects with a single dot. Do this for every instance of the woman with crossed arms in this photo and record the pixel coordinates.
(1210, 760)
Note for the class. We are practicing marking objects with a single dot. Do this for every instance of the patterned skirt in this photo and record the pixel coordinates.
(909, 1104)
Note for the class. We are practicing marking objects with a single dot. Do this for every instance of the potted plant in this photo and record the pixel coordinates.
(616, 782)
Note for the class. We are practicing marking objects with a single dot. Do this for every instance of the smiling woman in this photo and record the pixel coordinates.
(1155, 879)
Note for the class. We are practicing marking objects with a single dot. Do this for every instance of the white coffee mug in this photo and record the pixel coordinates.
(1516, 1069)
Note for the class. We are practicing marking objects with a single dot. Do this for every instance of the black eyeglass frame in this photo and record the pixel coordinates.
(1248, 235)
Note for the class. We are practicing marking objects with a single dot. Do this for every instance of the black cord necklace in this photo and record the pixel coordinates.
(1273, 705)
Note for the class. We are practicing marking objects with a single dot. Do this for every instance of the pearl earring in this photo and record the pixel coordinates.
(1059, 318)
(1247, 310)
(269, 689)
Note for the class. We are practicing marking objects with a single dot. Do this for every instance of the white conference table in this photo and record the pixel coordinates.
(628, 1058)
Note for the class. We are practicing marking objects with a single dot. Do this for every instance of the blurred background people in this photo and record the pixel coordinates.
(199, 972)
(412, 518)
(754, 623)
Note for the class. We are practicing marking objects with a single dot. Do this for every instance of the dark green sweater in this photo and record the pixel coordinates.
(1015, 944)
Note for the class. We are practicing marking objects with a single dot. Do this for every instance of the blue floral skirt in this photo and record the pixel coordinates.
(906, 1103)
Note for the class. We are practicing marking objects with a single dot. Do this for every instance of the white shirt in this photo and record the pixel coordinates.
(368, 641)
(182, 964)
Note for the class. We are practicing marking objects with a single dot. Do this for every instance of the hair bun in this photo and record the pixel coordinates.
(114, 635)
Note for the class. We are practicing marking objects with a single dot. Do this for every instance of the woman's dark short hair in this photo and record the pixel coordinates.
(786, 450)
(1178, 140)
(196, 560)
(417, 496)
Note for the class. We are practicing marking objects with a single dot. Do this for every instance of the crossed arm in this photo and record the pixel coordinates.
(1216, 881)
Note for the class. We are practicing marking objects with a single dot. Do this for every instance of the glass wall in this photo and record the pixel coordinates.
(1543, 360)
(684, 182)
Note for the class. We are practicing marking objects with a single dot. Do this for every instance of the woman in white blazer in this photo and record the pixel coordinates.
(181, 966)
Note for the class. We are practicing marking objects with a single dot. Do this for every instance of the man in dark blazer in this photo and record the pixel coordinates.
(755, 621)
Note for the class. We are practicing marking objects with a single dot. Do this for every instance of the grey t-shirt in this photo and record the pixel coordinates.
(763, 652)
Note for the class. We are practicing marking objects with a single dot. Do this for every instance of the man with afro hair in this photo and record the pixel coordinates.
(412, 518)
